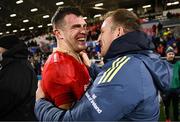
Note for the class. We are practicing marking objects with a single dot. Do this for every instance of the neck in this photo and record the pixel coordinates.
(65, 48)
(70, 52)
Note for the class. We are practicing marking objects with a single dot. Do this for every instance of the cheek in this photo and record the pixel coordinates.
(74, 33)
(106, 42)
(108, 38)
(114, 36)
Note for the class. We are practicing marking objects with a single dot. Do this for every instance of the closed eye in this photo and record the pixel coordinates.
(79, 26)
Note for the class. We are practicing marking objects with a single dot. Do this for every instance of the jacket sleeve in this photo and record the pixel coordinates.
(46, 111)
(102, 101)
(94, 70)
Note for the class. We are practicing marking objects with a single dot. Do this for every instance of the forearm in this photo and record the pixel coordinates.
(46, 111)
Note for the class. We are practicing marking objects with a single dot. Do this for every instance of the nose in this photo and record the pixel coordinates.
(99, 38)
(84, 31)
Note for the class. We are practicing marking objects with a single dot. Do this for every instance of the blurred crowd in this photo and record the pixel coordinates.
(40, 47)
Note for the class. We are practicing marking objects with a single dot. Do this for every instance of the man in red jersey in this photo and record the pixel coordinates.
(65, 77)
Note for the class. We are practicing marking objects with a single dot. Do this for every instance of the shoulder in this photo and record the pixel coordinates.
(130, 60)
(20, 71)
(57, 58)
(178, 63)
(59, 66)
(133, 66)
(127, 62)
(122, 68)
(22, 65)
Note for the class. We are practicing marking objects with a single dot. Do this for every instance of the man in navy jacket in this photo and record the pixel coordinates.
(126, 88)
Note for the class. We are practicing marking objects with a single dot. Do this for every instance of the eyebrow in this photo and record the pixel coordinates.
(79, 25)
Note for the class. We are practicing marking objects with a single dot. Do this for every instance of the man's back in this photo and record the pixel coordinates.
(18, 86)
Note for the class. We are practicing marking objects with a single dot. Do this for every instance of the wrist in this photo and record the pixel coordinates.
(40, 99)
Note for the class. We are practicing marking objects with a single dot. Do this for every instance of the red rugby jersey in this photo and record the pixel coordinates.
(64, 79)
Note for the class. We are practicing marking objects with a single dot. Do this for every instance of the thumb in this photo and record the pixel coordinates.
(85, 59)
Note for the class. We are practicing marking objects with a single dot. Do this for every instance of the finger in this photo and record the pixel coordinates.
(85, 59)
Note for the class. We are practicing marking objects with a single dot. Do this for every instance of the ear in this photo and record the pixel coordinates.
(58, 34)
(120, 31)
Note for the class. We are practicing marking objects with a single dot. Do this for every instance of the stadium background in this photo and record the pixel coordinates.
(30, 20)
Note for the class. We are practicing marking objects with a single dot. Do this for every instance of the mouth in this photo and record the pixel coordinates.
(82, 39)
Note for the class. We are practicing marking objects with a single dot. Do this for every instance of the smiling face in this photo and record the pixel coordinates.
(73, 33)
(108, 35)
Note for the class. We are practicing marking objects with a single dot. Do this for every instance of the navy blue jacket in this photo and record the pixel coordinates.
(126, 88)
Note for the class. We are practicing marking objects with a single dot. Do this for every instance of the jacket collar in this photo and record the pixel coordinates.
(19, 51)
(130, 43)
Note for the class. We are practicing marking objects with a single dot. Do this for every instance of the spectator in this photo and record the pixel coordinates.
(175, 88)
(172, 95)
(18, 81)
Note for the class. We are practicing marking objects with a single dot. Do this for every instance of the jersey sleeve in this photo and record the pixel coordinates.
(57, 82)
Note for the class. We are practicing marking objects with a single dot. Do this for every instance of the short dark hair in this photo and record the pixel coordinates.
(125, 18)
(58, 17)
(9, 41)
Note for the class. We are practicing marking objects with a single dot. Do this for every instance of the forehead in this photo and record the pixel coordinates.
(170, 53)
(73, 19)
(107, 22)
